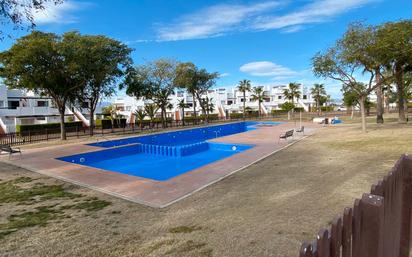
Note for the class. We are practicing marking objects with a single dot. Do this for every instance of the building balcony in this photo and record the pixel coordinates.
(29, 111)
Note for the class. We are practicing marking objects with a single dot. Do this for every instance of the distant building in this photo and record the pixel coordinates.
(225, 100)
(18, 107)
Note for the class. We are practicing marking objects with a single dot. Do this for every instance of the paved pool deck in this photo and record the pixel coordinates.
(157, 194)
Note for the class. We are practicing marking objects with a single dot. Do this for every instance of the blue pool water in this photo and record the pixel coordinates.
(166, 155)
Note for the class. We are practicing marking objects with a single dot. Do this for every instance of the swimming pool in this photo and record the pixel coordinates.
(166, 155)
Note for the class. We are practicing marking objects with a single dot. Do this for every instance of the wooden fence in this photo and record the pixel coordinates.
(378, 225)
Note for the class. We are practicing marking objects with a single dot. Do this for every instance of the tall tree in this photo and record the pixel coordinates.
(48, 64)
(140, 115)
(182, 105)
(363, 48)
(395, 51)
(154, 81)
(104, 61)
(333, 64)
(244, 86)
(291, 93)
(20, 13)
(151, 110)
(186, 78)
(257, 95)
(197, 82)
(205, 81)
(318, 92)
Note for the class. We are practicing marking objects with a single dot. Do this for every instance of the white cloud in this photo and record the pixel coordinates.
(224, 75)
(62, 13)
(267, 69)
(224, 19)
(213, 21)
(315, 12)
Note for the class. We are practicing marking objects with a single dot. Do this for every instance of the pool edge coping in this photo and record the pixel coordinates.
(145, 203)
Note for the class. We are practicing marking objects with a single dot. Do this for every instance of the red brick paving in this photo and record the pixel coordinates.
(151, 192)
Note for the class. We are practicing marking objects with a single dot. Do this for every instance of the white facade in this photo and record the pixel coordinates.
(225, 100)
(20, 107)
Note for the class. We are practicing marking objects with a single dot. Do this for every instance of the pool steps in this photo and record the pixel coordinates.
(175, 151)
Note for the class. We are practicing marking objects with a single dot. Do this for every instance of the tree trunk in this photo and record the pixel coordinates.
(387, 102)
(194, 108)
(183, 116)
(62, 125)
(399, 88)
(352, 112)
(244, 105)
(91, 128)
(362, 109)
(163, 114)
(379, 98)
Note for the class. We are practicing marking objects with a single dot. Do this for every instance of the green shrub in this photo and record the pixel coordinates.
(287, 106)
(107, 123)
(239, 115)
(327, 108)
(43, 127)
(278, 112)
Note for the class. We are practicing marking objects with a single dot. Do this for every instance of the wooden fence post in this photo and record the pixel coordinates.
(371, 226)
(336, 237)
(406, 171)
(347, 233)
(323, 243)
(306, 250)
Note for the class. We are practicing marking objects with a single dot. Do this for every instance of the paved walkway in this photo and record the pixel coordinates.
(150, 192)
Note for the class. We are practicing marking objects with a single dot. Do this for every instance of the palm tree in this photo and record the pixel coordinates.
(140, 115)
(318, 91)
(291, 93)
(151, 110)
(257, 95)
(182, 106)
(244, 86)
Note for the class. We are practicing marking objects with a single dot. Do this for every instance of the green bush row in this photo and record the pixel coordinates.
(239, 115)
(40, 127)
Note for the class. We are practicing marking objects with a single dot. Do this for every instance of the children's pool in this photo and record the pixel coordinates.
(166, 155)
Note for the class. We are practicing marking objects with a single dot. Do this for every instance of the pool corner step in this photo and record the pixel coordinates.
(174, 151)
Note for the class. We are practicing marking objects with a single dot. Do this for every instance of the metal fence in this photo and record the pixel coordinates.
(378, 225)
(30, 137)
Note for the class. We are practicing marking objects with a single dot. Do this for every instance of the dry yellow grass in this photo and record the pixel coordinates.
(267, 209)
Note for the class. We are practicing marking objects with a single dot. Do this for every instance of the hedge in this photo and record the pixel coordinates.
(40, 127)
(279, 112)
(107, 123)
(239, 115)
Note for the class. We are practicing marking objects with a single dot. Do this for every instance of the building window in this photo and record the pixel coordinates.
(14, 104)
(128, 108)
(305, 97)
(280, 97)
(242, 100)
(1, 104)
(42, 103)
(229, 102)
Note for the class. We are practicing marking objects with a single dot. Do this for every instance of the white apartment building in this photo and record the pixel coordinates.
(21, 107)
(226, 100)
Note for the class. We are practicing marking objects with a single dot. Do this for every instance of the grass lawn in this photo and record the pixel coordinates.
(267, 209)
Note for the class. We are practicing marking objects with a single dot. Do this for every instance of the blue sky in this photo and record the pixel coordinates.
(268, 42)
